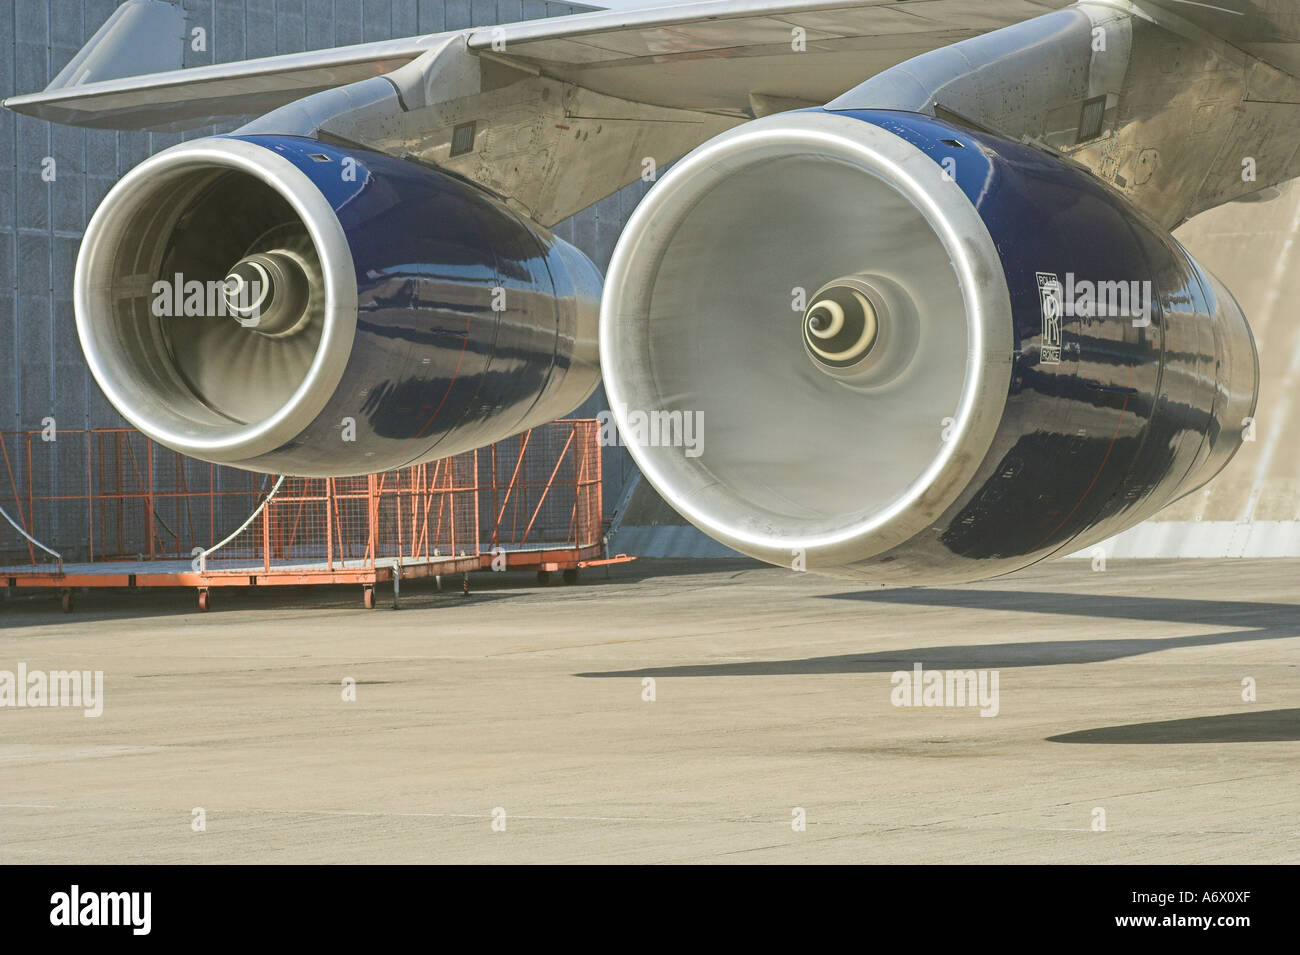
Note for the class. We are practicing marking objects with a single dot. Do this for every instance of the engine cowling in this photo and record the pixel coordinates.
(281, 304)
(916, 353)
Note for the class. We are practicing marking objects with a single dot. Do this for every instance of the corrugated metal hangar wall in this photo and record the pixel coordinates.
(1249, 509)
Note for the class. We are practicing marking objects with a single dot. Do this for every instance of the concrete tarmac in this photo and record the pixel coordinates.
(1121, 732)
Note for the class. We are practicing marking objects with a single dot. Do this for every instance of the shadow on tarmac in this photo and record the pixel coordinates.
(1265, 726)
(1249, 622)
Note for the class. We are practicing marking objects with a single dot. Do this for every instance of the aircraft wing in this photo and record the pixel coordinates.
(710, 55)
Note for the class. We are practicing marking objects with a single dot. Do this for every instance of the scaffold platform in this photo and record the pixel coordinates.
(530, 503)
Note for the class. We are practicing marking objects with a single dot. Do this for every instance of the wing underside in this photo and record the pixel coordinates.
(701, 56)
(740, 57)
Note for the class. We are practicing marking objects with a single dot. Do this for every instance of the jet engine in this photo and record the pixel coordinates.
(282, 304)
(914, 352)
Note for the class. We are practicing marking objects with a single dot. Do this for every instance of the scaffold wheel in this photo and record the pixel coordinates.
(368, 597)
(67, 601)
(203, 601)
(571, 575)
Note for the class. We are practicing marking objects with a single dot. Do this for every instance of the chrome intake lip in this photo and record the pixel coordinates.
(633, 380)
(161, 404)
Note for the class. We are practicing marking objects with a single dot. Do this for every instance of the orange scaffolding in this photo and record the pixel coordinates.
(545, 500)
(109, 508)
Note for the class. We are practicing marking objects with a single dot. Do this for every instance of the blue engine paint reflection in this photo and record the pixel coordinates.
(1124, 417)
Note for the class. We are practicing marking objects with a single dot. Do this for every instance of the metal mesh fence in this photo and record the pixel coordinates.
(430, 509)
(114, 495)
(542, 488)
(412, 514)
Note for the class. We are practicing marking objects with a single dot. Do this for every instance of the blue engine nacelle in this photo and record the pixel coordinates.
(286, 305)
(916, 353)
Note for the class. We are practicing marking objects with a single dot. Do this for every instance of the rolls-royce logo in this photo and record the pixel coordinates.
(1051, 299)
